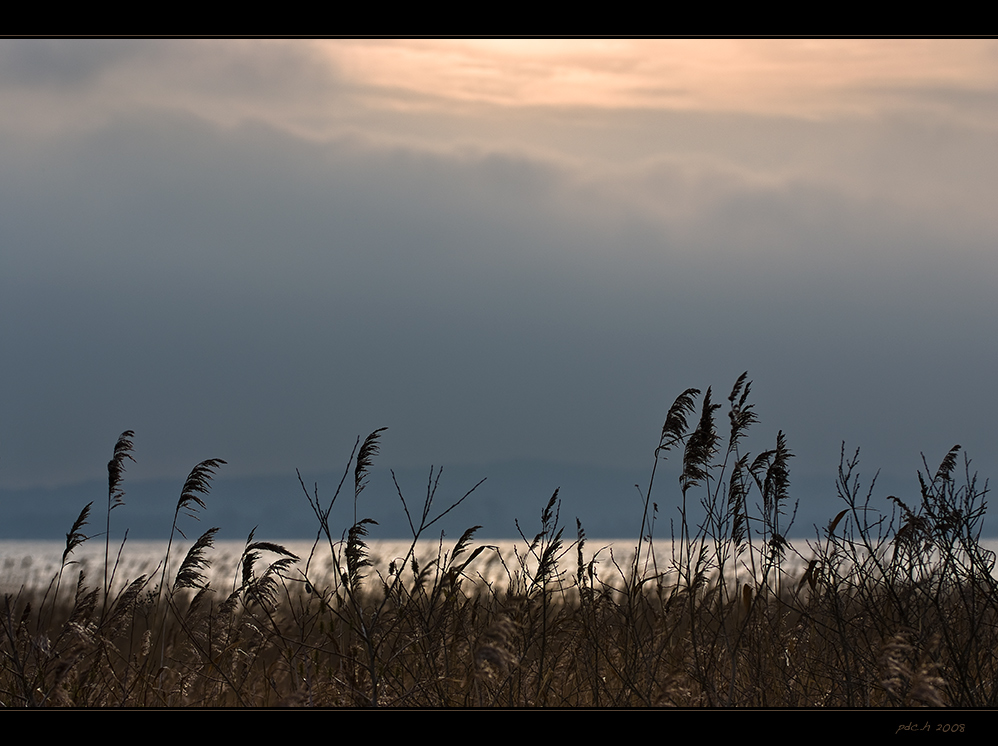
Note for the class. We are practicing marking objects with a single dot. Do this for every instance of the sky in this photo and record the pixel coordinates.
(257, 250)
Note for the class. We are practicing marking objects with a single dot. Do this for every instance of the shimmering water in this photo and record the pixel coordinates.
(34, 564)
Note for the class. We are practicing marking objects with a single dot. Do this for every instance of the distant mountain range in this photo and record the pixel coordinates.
(604, 499)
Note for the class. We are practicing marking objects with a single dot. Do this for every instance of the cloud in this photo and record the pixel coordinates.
(808, 78)
(231, 277)
(246, 290)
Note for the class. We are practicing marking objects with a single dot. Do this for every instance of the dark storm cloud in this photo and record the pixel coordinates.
(249, 295)
(62, 64)
(229, 254)
(191, 276)
(74, 86)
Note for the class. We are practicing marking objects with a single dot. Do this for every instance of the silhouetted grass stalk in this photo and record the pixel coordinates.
(896, 608)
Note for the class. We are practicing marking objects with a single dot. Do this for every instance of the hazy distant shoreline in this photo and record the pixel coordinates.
(603, 498)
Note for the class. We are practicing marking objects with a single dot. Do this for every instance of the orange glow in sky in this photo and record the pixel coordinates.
(795, 77)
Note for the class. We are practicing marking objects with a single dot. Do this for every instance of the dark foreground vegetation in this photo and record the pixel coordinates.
(895, 609)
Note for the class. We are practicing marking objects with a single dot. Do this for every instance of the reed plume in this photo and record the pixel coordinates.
(198, 483)
(115, 495)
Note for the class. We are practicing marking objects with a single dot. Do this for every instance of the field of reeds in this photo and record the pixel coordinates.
(894, 609)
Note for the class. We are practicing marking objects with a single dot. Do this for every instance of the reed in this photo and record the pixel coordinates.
(895, 608)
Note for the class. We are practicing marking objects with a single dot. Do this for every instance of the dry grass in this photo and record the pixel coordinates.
(892, 610)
